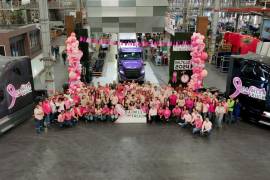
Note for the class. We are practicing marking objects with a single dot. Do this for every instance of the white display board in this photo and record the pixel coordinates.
(132, 116)
(181, 65)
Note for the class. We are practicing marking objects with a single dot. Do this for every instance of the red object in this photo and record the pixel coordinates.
(241, 43)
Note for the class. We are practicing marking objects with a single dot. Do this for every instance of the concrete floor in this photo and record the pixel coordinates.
(135, 151)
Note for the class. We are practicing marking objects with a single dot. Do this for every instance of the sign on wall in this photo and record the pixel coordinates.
(182, 65)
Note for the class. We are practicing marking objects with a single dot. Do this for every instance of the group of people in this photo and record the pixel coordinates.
(198, 110)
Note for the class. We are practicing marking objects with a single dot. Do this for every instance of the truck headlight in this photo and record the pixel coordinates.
(142, 71)
(266, 114)
(122, 72)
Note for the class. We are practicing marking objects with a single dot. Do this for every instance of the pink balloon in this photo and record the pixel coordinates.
(204, 73)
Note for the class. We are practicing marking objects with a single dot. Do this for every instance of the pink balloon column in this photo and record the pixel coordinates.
(198, 61)
(74, 69)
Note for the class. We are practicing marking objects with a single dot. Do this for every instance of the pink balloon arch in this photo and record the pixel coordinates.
(74, 69)
(199, 57)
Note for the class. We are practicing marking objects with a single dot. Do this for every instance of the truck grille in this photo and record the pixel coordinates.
(132, 73)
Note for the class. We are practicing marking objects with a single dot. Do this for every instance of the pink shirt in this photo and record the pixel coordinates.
(167, 113)
(160, 112)
(46, 107)
(211, 108)
(61, 118)
(67, 116)
(173, 99)
(106, 111)
(198, 123)
(176, 112)
(189, 103)
(67, 104)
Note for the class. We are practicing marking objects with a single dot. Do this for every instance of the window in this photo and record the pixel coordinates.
(254, 71)
(2, 50)
(34, 39)
(130, 55)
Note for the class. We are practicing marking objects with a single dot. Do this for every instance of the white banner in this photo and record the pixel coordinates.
(182, 65)
(182, 47)
(132, 116)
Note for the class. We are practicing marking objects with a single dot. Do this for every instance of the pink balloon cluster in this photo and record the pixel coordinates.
(74, 69)
(198, 61)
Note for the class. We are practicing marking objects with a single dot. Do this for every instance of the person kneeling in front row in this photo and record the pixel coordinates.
(114, 114)
(198, 121)
(206, 127)
(188, 120)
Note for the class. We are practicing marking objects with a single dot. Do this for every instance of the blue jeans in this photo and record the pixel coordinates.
(196, 130)
(47, 120)
(183, 125)
(38, 124)
(230, 117)
(89, 118)
(219, 121)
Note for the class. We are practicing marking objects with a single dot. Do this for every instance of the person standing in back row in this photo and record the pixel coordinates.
(220, 111)
(230, 103)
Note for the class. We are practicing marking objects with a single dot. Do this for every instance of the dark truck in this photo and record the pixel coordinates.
(249, 81)
(130, 64)
(16, 91)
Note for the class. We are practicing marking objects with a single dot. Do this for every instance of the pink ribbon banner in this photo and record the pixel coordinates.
(22, 91)
(252, 91)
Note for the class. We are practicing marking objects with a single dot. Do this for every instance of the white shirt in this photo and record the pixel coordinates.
(153, 112)
(220, 110)
(38, 113)
(187, 118)
(206, 126)
(53, 107)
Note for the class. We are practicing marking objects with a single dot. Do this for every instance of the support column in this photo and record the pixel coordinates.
(214, 26)
(202, 8)
(46, 46)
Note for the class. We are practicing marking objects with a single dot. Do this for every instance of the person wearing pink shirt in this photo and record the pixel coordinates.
(172, 100)
(198, 122)
(167, 114)
(105, 113)
(46, 107)
(76, 99)
(176, 113)
(161, 113)
(114, 114)
(205, 109)
(61, 119)
(68, 118)
(211, 110)
(189, 104)
(67, 103)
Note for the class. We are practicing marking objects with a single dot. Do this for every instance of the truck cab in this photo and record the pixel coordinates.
(130, 64)
(249, 81)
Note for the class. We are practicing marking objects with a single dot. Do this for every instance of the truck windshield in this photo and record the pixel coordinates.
(130, 55)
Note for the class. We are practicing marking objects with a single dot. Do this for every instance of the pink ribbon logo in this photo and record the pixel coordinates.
(13, 93)
(251, 91)
(238, 86)
(22, 91)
